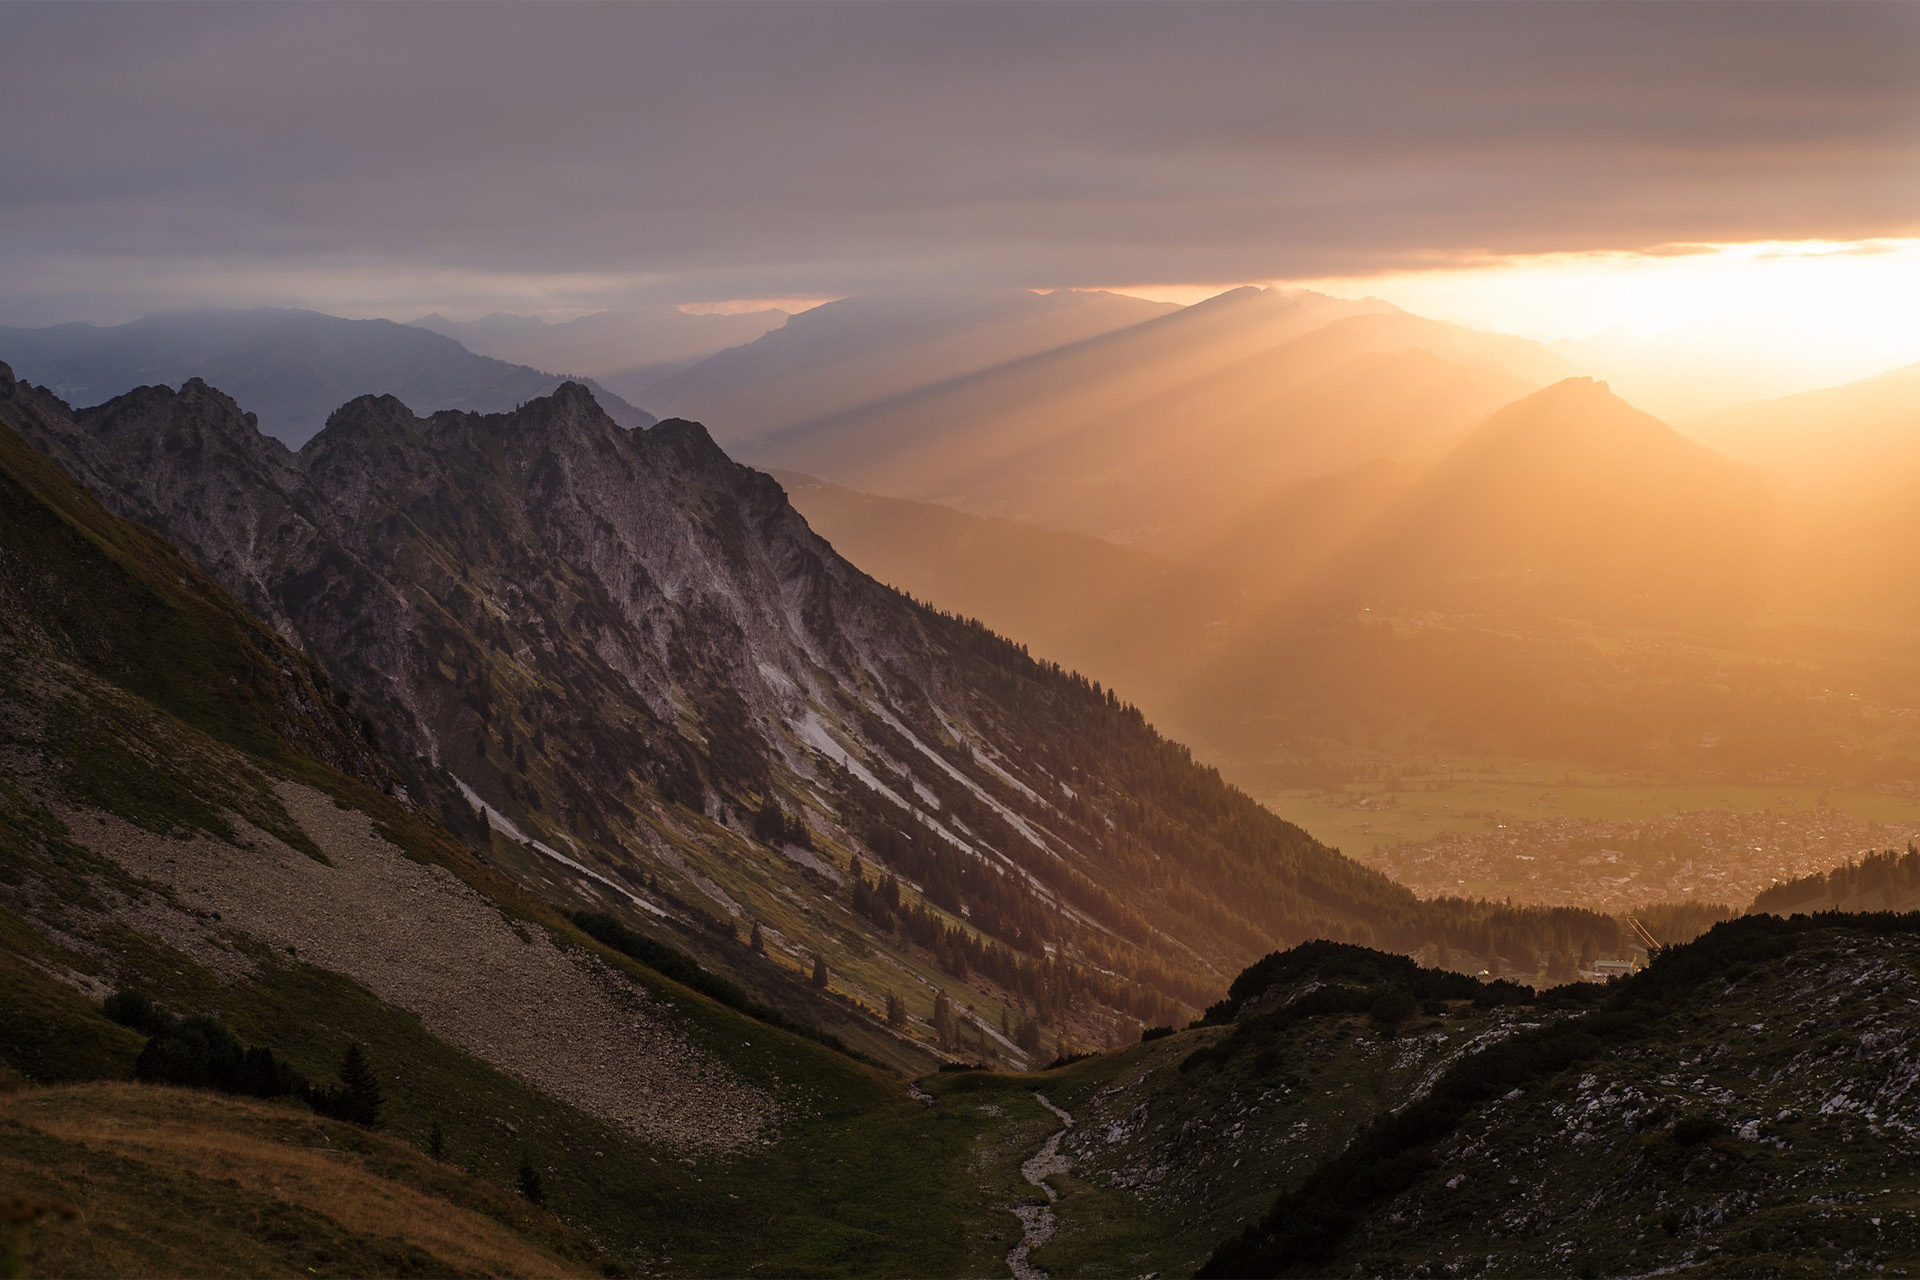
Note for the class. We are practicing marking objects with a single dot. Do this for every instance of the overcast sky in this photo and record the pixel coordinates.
(381, 158)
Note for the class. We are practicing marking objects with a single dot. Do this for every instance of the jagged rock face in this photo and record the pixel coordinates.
(510, 549)
(78, 585)
(626, 646)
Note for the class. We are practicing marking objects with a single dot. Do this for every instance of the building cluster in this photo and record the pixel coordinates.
(1713, 855)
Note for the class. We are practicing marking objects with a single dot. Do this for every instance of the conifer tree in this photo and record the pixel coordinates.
(819, 971)
(532, 1186)
(755, 943)
(942, 1019)
(360, 1096)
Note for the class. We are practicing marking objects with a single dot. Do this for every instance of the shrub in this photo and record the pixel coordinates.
(200, 1053)
(1691, 1131)
(531, 1185)
(137, 1010)
(1392, 1007)
(669, 963)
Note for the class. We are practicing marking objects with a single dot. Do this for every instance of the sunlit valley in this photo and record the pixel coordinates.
(1407, 596)
(744, 649)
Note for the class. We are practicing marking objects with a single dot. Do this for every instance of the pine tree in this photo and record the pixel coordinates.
(819, 971)
(1027, 1035)
(532, 1186)
(436, 1141)
(896, 1011)
(360, 1094)
(755, 943)
(942, 1019)
(770, 824)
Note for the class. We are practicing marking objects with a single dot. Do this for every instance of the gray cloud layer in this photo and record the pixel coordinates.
(235, 153)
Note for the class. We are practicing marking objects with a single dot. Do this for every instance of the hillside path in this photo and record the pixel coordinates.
(1036, 1220)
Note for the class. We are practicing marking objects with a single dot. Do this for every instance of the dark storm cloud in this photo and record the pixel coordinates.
(740, 150)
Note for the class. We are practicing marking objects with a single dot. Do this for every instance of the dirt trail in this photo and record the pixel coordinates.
(1036, 1220)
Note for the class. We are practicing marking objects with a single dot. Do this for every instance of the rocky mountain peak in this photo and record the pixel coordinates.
(575, 397)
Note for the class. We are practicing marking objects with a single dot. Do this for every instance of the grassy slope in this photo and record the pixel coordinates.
(178, 1182)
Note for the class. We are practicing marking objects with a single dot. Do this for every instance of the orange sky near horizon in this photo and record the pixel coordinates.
(1772, 316)
(1685, 328)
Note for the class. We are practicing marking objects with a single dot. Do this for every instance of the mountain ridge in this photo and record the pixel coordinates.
(292, 367)
(631, 654)
(1207, 410)
(872, 348)
(616, 346)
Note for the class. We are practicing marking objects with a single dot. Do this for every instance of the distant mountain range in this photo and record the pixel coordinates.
(1487, 595)
(1852, 442)
(863, 350)
(1148, 433)
(289, 368)
(624, 348)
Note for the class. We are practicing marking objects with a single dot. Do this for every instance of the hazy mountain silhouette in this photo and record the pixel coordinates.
(290, 368)
(860, 350)
(1857, 439)
(1189, 419)
(1110, 612)
(1570, 501)
(1696, 371)
(614, 346)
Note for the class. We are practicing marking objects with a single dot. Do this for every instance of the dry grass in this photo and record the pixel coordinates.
(177, 1182)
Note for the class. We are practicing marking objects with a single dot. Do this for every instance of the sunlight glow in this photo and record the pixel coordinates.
(1819, 290)
(1682, 329)
(1750, 320)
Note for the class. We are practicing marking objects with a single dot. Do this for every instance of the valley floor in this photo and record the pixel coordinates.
(1544, 835)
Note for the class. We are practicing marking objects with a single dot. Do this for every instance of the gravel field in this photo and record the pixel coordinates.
(419, 939)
